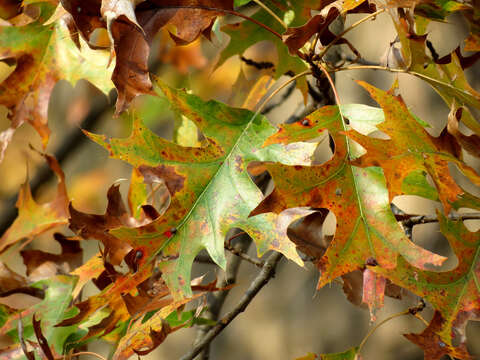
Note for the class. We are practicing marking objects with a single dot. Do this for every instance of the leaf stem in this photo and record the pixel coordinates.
(411, 221)
(276, 91)
(84, 353)
(372, 330)
(415, 310)
(243, 256)
(351, 27)
(267, 9)
(370, 67)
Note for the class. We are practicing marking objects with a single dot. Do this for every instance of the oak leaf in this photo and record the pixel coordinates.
(43, 54)
(454, 294)
(34, 218)
(409, 149)
(367, 230)
(210, 187)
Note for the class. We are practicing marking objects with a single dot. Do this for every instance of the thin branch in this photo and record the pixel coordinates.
(243, 256)
(216, 300)
(276, 91)
(425, 219)
(351, 27)
(267, 9)
(370, 67)
(372, 330)
(85, 353)
(263, 277)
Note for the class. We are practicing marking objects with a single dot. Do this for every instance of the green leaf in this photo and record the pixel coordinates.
(44, 54)
(211, 190)
(50, 311)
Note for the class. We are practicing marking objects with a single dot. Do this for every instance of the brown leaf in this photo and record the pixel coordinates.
(97, 226)
(42, 341)
(157, 337)
(42, 265)
(470, 143)
(433, 346)
(307, 234)
(295, 38)
(10, 280)
(10, 8)
(132, 30)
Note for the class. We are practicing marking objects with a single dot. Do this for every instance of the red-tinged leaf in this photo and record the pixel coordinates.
(366, 227)
(33, 218)
(373, 291)
(432, 344)
(210, 188)
(110, 299)
(35, 49)
(409, 149)
(455, 294)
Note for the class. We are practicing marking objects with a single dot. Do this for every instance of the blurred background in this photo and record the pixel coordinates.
(289, 318)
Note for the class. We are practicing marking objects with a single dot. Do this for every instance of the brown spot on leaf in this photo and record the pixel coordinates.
(173, 181)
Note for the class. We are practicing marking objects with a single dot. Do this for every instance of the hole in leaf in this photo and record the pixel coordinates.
(413, 204)
(99, 38)
(313, 233)
(324, 152)
(155, 113)
(429, 237)
(473, 332)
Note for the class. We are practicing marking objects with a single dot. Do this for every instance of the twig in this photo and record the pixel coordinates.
(263, 277)
(276, 91)
(360, 61)
(243, 256)
(217, 299)
(83, 353)
(267, 9)
(351, 27)
(425, 219)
